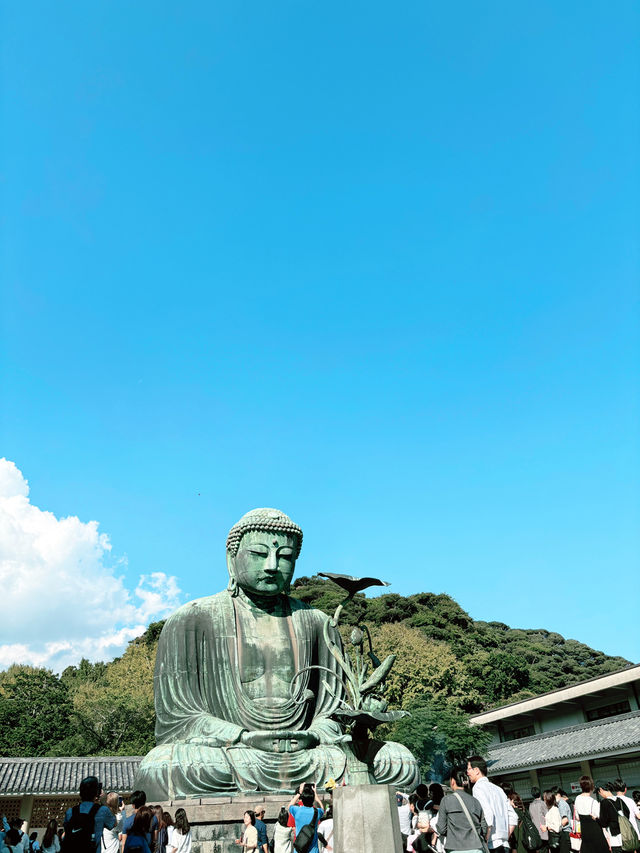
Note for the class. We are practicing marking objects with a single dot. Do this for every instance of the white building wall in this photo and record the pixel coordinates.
(553, 721)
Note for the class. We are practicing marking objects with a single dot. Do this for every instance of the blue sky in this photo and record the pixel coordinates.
(376, 266)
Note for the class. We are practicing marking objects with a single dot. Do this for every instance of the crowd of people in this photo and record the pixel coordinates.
(477, 816)
(99, 824)
(304, 816)
(470, 815)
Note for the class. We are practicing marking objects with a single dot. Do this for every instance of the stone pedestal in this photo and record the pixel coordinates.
(365, 819)
(216, 822)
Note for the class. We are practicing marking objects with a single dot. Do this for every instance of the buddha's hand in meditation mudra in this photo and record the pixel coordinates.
(280, 741)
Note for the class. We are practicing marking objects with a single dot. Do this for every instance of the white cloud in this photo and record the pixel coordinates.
(63, 595)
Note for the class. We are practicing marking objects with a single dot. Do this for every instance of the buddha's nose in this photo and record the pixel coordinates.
(272, 562)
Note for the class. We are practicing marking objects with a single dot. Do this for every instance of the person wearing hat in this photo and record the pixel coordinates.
(263, 841)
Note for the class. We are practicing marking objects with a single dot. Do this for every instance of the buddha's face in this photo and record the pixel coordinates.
(264, 563)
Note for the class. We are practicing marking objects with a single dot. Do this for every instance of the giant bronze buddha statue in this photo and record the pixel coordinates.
(228, 719)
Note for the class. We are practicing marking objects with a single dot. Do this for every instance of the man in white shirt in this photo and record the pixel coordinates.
(494, 804)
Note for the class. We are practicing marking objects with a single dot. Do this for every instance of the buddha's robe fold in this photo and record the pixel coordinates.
(203, 708)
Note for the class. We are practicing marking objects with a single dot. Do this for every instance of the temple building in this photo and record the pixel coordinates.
(38, 789)
(590, 728)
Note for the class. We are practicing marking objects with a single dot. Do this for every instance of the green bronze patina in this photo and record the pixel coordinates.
(249, 691)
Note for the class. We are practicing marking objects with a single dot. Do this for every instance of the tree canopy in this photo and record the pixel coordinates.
(448, 666)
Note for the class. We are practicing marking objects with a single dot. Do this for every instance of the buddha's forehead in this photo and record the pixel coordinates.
(268, 537)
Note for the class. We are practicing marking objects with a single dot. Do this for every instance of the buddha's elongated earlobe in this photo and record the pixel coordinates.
(232, 586)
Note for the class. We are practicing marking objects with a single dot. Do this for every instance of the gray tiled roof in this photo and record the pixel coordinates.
(63, 775)
(590, 740)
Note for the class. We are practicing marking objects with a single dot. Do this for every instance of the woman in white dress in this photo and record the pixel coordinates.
(180, 834)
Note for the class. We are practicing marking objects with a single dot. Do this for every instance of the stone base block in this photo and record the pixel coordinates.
(365, 819)
(216, 822)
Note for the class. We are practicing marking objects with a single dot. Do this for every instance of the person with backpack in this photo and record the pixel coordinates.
(525, 837)
(34, 846)
(628, 840)
(307, 816)
(608, 818)
(84, 823)
(627, 806)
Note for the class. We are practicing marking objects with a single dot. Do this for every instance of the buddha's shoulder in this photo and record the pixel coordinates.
(307, 610)
(222, 603)
(200, 607)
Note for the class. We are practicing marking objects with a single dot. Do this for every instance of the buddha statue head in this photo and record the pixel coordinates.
(262, 549)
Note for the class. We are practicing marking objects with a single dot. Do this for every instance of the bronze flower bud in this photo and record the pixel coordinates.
(357, 637)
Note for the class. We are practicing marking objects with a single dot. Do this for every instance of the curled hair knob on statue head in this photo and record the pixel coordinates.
(264, 520)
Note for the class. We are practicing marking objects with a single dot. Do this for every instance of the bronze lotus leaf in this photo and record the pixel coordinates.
(368, 719)
(350, 584)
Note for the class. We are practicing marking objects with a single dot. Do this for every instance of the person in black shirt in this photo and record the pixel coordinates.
(608, 819)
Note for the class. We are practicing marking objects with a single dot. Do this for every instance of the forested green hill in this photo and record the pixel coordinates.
(501, 664)
(448, 667)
